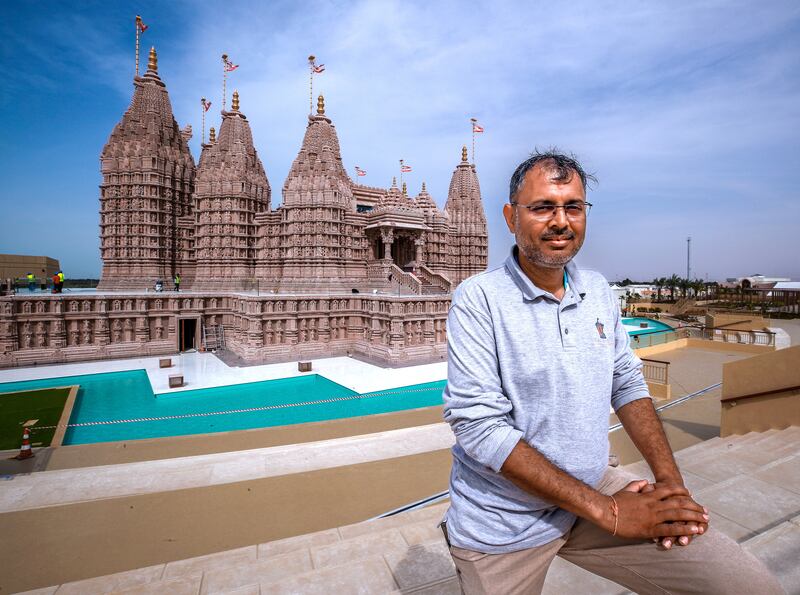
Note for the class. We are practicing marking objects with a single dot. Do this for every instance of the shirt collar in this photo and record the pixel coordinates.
(531, 291)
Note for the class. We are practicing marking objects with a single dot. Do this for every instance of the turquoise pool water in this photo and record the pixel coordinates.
(653, 326)
(119, 396)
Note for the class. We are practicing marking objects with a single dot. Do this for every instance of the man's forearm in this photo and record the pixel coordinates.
(530, 470)
(641, 422)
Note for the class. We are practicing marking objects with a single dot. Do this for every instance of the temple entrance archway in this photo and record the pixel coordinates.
(187, 334)
(403, 252)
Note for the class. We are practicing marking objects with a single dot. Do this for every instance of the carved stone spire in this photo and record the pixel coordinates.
(465, 209)
(231, 189)
(148, 176)
(317, 202)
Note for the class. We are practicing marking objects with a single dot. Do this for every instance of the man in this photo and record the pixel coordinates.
(536, 355)
(31, 282)
(60, 281)
(177, 280)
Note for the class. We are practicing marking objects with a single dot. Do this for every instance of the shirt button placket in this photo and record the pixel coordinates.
(565, 317)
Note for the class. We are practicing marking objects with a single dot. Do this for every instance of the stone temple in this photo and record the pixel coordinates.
(336, 267)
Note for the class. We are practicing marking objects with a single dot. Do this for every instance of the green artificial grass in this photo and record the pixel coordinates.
(44, 404)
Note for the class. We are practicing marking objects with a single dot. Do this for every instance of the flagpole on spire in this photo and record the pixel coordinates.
(224, 77)
(311, 59)
(476, 128)
(474, 121)
(140, 28)
(138, 20)
(401, 173)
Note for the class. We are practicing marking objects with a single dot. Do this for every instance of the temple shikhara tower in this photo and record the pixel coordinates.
(148, 176)
(332, 267)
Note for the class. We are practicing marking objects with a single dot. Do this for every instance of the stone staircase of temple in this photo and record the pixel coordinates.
(750, 483)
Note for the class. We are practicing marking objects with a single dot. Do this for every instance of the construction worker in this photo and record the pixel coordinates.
(56, 281)
(60, 281)
(177, 280)
(31, 282)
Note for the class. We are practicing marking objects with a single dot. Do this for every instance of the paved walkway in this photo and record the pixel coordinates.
(692, 369)
(205, 370)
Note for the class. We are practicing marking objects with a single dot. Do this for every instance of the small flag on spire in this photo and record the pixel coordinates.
(360, 171)
(229, 66)
(206, 104)
(476, 127)
(316, 68)
(405, 168)
(141, 26)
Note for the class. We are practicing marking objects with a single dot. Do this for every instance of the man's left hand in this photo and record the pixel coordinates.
(666, 542)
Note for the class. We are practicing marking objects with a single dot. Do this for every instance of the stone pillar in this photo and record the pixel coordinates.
(419, 245)
(102, 334)
(142, 330)
(58, 335)
(387, 236)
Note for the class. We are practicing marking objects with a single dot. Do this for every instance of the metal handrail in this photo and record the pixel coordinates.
(446, 493)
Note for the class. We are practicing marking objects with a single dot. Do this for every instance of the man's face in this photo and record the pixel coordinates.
(553, 242)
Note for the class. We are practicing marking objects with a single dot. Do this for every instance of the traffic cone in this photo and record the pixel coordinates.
(25, 451)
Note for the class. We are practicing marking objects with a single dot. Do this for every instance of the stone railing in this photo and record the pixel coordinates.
(378, 270)
(746, 337)
(407, 280)
(655, 370)
(435, 279)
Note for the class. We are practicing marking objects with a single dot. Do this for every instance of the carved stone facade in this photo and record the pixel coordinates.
(216, 226)
(338, 268)
(57, 329)
(148, 176)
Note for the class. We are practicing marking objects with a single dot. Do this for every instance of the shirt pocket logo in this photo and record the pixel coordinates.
(600, 326)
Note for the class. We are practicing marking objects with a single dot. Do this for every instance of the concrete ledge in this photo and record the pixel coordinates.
(53, 488)
(61, 430)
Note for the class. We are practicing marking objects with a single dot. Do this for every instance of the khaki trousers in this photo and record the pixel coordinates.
(712, 564)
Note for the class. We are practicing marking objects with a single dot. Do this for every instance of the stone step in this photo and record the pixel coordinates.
(730, 457)
(779, 550)
(407, 553)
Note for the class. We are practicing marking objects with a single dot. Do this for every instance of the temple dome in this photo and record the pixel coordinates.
(317, 176)
(232, 157)
(148, 128)
(464, 195)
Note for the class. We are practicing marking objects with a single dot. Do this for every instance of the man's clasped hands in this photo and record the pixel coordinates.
(663, 511)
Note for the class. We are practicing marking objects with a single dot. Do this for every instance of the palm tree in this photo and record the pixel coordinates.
(684, 285)
(659, 285)
(672, 283)
(697, 287)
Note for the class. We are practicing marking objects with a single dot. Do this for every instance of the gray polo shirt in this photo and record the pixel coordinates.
(524, 366)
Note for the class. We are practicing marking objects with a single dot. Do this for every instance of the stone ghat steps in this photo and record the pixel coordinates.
(757, 503)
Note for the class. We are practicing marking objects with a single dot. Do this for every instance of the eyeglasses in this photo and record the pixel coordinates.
(545, 211)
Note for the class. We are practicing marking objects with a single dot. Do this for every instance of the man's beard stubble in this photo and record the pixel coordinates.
(550, 259)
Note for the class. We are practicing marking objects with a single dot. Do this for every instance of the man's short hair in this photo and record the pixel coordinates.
(561, 166)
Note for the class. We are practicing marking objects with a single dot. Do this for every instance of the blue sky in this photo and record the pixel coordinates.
(686, 111)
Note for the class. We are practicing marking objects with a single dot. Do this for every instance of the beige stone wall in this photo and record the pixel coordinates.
(16, 266)
(702, 344)
(745, 322)
(762, 392)
(660, 392)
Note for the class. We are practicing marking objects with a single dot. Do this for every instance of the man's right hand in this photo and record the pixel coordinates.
(663, 512)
